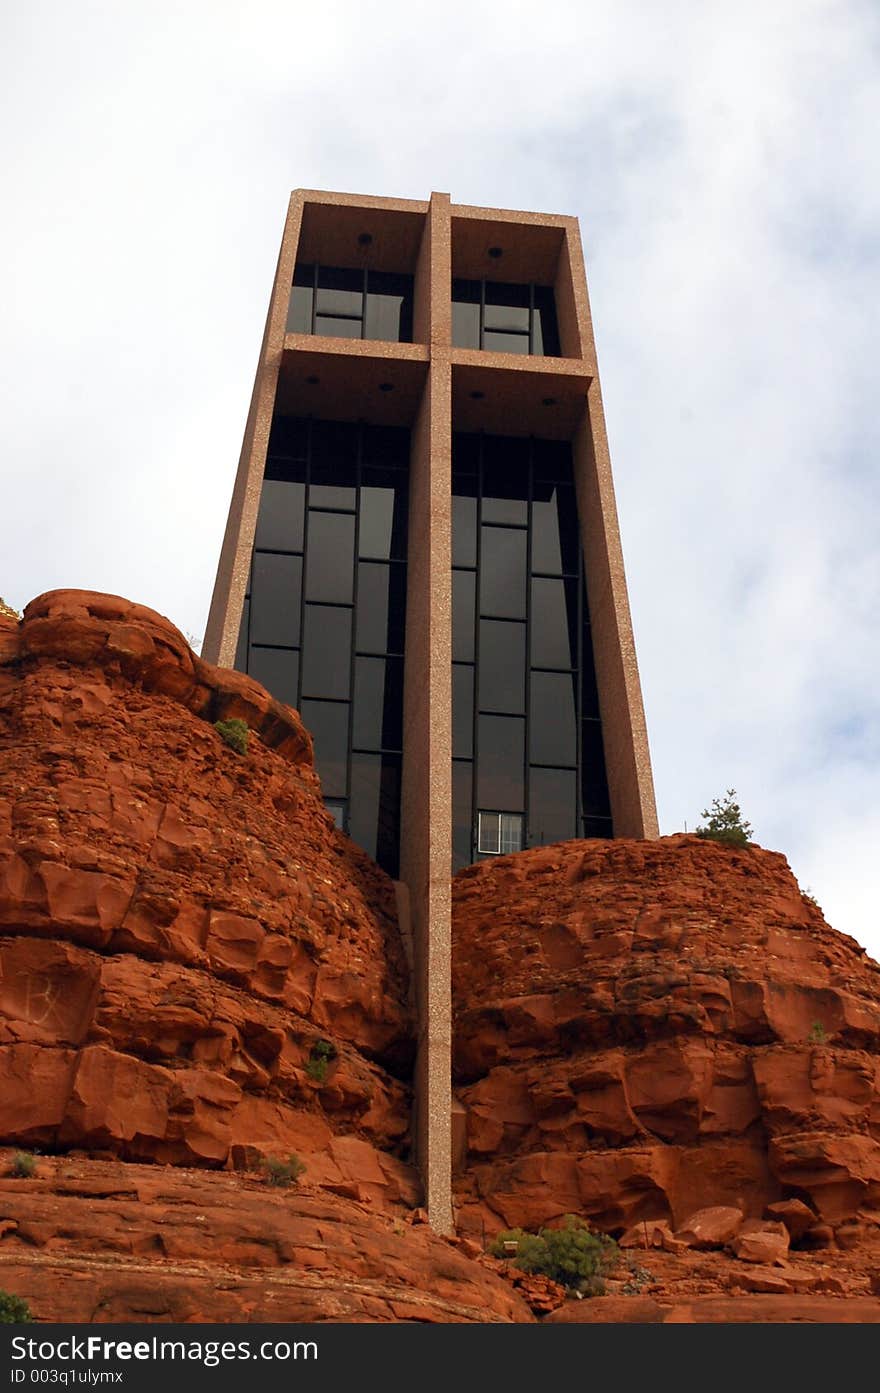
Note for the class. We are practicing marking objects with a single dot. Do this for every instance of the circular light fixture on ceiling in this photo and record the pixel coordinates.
(313, 381)
(386, 386)
(478, 396)
(495, 252)
(365, 238)
(548, 401)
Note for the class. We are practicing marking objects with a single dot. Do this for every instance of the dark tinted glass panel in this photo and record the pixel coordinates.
(278, 670)
(378, 703)
(466, 314)
(503, 572)
(338, 328)
(554, 530)
(594, 785)
(502, 666)
(463, 584)
(326, 651)
(545, 332)
(466, 451)
(330, 563)
(506, 481)
(389, 307)
(462, 813)
(339, 292)
(333, 473)
(462, 710)
(275, 598)
(597, 827)
(328, 723)
(374, 807)
(553, 726)
(554, 623)
(386, 445)
(507, 307)
(464, 530)
(552, 805)
(502, 343)
(299, 314)
(383, 514)
(280, 521)
(242, 646)
(500, 762)
(552, 463)
(288, 439)
(589, 689)
(381, 608)
(495, 342)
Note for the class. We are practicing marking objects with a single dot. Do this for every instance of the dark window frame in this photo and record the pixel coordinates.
(366, 458)
(531, 334)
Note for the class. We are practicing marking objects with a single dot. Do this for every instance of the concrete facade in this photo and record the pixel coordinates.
(433, 387)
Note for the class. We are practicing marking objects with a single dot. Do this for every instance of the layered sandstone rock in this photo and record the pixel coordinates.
(184, 935)
(645, 1029)
(92, 1241)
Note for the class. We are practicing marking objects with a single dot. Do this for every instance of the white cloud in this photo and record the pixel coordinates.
(723, 162)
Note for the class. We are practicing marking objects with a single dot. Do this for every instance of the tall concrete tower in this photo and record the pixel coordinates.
(422, 555)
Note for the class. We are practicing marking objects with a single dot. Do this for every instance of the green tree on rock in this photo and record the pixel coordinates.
(725, 822)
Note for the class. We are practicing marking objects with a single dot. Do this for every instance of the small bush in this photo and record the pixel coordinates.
(13, 1311)
(235, 733)
(284, 1173)
(24, 1165)
(572, 1255)
(322, 1052)
(817, 1034)
(725, 822)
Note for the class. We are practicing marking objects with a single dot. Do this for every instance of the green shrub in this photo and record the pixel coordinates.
(235, 733)
(322, 1052)
(572, 1255)
(284, 1173)
(817, 1034)
(725, 822)
(24, 1165)
(13, 1311)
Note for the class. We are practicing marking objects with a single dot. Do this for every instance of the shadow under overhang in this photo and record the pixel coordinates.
(351, 380)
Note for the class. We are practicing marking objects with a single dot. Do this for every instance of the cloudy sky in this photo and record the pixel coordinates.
(723, 161)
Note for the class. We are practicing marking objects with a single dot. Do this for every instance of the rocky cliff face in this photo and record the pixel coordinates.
(199, 973)
(646, 1028)
(184, 937)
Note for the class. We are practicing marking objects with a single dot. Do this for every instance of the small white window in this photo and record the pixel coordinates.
(498, 833)
(336, 810)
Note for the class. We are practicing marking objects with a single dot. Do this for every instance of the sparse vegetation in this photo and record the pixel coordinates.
(725, 822)
(23, 1165)
(817, 1035)
(811, 899)
(13, 1310)
(235, 733)
(572, 1255)
(284, 1173)
(322, 1052)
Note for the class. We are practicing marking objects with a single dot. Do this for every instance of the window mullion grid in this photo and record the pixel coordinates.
(356, 567)
(482, 318)
(475, 766)
(305, 546)
(315, 277)
(363, 335)
(579, 688)
(531, 320)
(528, 674)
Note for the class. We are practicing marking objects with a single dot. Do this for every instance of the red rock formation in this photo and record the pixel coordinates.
(181, 925)
(645, 1029)
(103, 1241)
